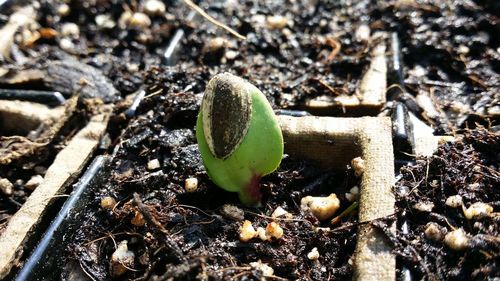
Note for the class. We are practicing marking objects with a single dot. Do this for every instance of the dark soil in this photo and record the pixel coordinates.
(470, 169)
(450, 52)
(201, 241)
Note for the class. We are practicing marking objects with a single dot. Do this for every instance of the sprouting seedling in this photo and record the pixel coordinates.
(238, 136)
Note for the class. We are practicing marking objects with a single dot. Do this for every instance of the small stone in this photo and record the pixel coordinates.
(124, 19)
(267, 271)
(215, 44)
(418, 71)
(108, 203)
(274, 230)
(280, 212)
(433, 232)
(105, 21)
(121, 260)
(191, 184)
(34, 182)
(353, 194)
(321, 207)
(457, 240)
(463, 50)
(478, 210)
(287, 32)
(153, 164)
(247, 232)
(63, 10)
(232, 212)
(138, 219)
(139, 21)
(258, 20)
(67, 45)
(231, 55)
(362, 33)
(154, 8)
(459, 107)
(276, 22)
(313, 254)
(132, 67)
(424, 206)
(70, 29)
(358, 164)
(454, 201)
(6, 186)
(321, 229)
(261, 233)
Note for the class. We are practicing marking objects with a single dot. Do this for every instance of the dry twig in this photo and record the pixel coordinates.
(200, 11)
(161, 234)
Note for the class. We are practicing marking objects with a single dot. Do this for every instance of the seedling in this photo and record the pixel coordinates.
(238, 136)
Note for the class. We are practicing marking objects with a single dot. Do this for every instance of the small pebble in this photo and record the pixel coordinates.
(362, 33)
(287, 32)
(321, 229)
(313, 254)
(454, 201)
(261, 233)
(280, 212)
(231, 55)
(321, 207)
(215, 44)
(463, 50)
(67, 45)
(124, 19)
(154, 8)
(153, 164)
(433, 232)
(459, 107)
(267, 271)
(105, 21)
(457, 240)
(418, 71)
(121, 260)
(274, 230)
(132, 67)
(70, 29)
(108, 203)
(6, 186)
(232, 212)
(358, 164)
(478, 210)
(424, 206)
(276, 22)
(191, 184)
(34, 182)
(353, 194)
(63, 10)
(139, 21)
(247, 232)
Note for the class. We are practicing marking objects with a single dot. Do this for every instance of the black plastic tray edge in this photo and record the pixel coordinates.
(42, 263)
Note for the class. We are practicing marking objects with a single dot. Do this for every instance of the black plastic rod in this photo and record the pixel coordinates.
(50, 98)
